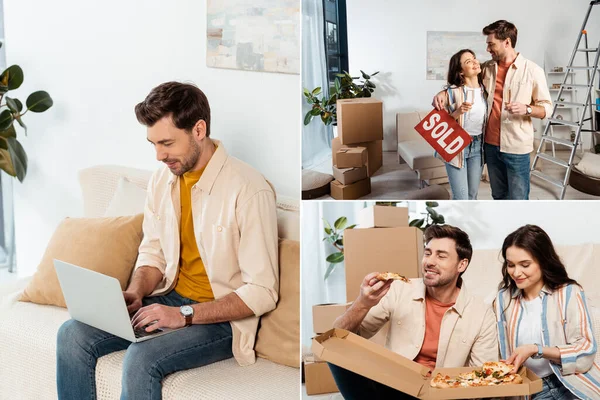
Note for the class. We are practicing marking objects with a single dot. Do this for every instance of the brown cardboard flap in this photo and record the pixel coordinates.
(354, 353)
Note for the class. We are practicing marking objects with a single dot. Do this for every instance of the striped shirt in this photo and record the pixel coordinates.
(566, 324)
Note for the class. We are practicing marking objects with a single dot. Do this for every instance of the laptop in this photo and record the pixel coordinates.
(97, 300)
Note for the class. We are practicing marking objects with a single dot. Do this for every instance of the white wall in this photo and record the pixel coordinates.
(489, 222)
(97, 60)
(391, 36)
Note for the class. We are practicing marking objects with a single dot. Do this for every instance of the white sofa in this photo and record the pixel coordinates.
(28, 331)
(416, 152)
(582, 262)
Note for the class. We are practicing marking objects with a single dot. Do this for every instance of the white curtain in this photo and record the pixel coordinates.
(316, 137)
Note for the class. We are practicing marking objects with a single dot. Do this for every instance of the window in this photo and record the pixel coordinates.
(336, 37)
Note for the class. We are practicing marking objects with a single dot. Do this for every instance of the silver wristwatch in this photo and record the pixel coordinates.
(540, 352)
(529, 110)
(188, 313)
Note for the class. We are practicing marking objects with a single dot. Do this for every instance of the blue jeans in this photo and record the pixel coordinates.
(509, 174)
(464, 182)
(146, 363)
(553, 389)
(357, 387)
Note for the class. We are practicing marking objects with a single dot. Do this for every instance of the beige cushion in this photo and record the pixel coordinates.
(590, 165)
(129, 199)
(278, 337)
(105, 245)
(418, 154)
(314, 180)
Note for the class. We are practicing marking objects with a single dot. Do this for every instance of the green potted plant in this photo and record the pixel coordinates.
(432, 217)
(13, 159)
(345, 87)
(334, 235)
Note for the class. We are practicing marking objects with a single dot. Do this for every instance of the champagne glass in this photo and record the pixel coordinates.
(507, 119)
(470, 100)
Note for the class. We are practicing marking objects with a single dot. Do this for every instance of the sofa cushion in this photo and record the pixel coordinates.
(278, 337)
(590, 165)
(418, 154)
(129, 199)
(105, 245)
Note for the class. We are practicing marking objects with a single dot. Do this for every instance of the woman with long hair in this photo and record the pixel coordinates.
(467, 104)
(543, 321)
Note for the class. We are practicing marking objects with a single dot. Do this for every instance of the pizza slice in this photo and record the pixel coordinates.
(384, 276)
(444, 382)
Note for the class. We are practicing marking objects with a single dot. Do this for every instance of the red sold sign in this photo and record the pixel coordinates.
(443, 133)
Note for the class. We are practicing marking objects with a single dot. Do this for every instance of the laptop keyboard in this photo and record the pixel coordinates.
(140, 333)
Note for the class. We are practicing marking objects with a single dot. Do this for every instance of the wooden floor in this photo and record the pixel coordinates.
(394, 180)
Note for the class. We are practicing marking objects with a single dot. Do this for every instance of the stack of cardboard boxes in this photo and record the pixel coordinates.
(382, 242)
(357, 152)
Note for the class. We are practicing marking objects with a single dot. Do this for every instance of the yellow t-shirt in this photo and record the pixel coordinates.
(192, 281)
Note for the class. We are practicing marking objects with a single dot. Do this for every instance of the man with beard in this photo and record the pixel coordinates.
(433, 320)
(208, 259)
(517, 92)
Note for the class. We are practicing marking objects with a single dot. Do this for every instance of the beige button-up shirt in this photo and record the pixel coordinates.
(467, 335)
(235, 224)
(527, 84)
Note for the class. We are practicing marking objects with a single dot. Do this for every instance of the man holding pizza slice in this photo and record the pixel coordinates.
(433, 320)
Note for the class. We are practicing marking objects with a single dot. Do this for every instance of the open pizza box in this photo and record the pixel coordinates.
(357, 354)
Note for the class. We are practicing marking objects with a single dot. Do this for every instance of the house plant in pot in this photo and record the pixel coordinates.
(344, 87)
(13, 159)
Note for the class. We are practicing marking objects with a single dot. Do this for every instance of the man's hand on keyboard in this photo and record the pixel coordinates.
(158, 316)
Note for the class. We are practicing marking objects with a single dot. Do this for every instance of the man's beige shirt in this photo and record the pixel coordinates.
(235, 224)
(527, 84)
(468, 334)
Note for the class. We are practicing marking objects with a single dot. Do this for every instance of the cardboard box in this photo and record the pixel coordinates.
(374, 153)
(359, 355)
(318, 378)
(348, 157)
(383, 217)
(324, 315)
(369, 250)
(359, 120)
(347, 176)
(352, 191)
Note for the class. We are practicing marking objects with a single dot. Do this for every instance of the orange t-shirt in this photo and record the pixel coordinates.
(492, 132)
(434, 312)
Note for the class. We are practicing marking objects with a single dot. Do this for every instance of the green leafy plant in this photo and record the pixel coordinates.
(343, 88)
(431, 218)
(13, 159)
(334, 235)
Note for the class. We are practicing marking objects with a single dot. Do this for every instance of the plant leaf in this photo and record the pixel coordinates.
(12, 77)
(306, 92)
(441, 220)
(315, 111)
(374, 73)
(328, 231)
(351, 226)
(340, 242)
(432, 212)
(365, 76)
(15, 105)
(10, 132)
(340, 223)
(6, 120)
(329, 270)
(18, 157)
(5, 161)
(39, 101)
(326, 223)
(416, 222)
(335, 258)
(432, 204)
(307, 118)
(316, 91)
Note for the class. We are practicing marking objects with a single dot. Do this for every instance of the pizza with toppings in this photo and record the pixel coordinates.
(491, 374)
(384, 276)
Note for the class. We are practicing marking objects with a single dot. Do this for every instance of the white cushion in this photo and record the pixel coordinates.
(590, 165)
(418, 154)
(129, 199)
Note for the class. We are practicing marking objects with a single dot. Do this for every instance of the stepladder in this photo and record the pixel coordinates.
(583, 59)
